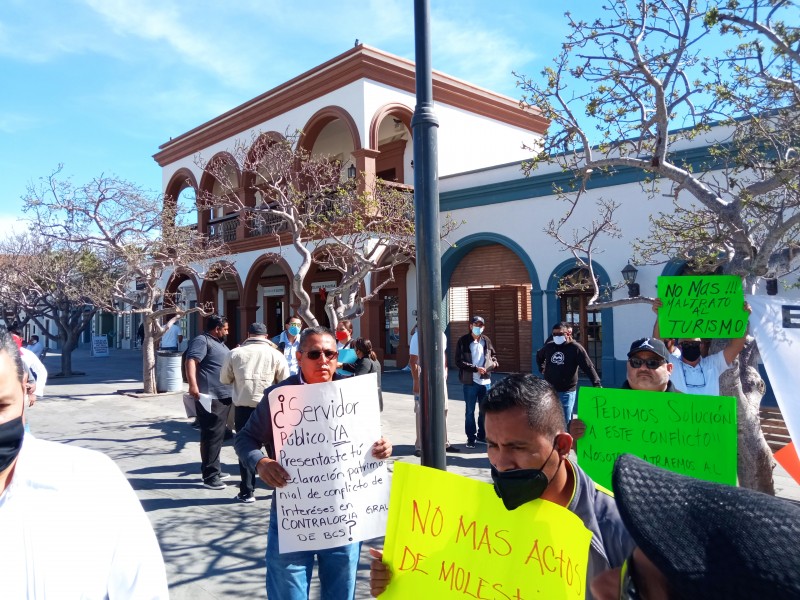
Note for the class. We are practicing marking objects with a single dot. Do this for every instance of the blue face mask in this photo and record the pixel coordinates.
(294, 330)
(477, 330)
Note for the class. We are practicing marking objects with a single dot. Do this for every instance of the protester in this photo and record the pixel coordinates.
(288, 342)
(344, 334)
(172, 338)
(559, 361)
(527, 444)
(36, 346)
(694, 373)
(204, 359)
(366, 363)
(289, 574)
(71, 525)
(648, 370)
(697, 539)
(36, 372)
(415, 366)
(475, 359)
(251, 368)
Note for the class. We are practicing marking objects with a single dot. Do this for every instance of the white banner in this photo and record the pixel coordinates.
(99, 345)
(775, 323)
(338, 493)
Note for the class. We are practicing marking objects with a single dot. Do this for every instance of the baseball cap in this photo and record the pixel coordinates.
(478, 319)
(257, 329)
(650, 345)
(708, 539)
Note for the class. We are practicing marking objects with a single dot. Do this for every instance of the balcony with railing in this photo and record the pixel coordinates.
(261, 223)
(224, 228)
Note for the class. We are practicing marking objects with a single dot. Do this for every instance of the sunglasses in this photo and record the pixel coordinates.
(650, 363)
(315, 354)
(627, 585)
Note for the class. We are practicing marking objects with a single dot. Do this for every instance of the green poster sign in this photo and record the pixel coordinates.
(701, 307)
(692, 435)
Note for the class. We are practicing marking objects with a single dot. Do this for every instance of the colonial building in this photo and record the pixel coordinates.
(500, 263)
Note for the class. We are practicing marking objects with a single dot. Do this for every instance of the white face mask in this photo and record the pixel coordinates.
(559, 339)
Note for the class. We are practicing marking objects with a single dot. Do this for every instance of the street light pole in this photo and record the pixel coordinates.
(424, 126)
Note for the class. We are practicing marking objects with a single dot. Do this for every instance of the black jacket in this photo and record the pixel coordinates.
(464, 357)
(365, 366)
(560, 362)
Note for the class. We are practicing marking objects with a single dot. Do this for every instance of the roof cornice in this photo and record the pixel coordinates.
(360, 62)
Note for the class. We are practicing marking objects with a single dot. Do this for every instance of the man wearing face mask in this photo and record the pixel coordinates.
(559, 361)
(693, 373)
(288, 342)
(528, 450)
(475, 359)
(71, 525)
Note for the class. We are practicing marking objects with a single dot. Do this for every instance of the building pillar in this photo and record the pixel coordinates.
(365, 165)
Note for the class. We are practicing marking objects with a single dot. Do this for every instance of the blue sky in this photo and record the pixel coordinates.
(98, 85)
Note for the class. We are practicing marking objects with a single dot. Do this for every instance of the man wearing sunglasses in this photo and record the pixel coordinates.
(289, 575)
(694, 373)
(648, 370)
(697, 539)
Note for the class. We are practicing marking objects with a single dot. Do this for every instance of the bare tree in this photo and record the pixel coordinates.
(629, 88)
(357, 227)
(137, 234)
(45, 279)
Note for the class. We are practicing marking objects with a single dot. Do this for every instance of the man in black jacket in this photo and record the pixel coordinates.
(559, 360)
(475, 359)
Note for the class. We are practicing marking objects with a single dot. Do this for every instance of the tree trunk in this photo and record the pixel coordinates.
(68, 344)
(755, 462)
(149, 361)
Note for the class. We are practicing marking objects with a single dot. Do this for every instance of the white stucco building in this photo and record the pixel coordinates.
(357, 108)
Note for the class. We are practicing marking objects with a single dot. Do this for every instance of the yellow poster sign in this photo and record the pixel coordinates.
(450, 537)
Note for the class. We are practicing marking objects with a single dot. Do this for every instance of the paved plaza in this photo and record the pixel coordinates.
(213, 545)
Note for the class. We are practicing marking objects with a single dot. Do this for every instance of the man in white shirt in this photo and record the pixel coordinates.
(288, 342)
(172, 338)
(72, 526)
(693, 373)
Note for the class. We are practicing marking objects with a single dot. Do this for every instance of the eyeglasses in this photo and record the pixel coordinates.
(694, 378)
(315, 354)
(650, 363)
(627, 585)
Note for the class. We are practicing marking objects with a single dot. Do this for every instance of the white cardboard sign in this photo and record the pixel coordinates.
(338, 493)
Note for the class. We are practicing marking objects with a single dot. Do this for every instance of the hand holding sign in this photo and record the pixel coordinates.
(701, 307)
(691, 435)
(450, 537)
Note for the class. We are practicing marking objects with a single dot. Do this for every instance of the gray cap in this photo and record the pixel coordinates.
(257, 329)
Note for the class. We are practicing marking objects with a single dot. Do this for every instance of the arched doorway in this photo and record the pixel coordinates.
(492, 280)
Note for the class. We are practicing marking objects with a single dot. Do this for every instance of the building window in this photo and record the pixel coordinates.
(575, 290)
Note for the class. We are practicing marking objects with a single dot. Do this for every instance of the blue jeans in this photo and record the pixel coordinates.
(568, 402)
(474, 393)
(289, 575)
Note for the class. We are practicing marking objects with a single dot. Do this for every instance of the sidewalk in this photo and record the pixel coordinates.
(213, 545)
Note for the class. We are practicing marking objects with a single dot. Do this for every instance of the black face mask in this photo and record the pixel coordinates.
(690, 352)
(11, 434)
(518, 486)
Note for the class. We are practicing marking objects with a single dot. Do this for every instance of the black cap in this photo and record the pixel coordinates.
(257, 329)
(478, 319)
(651, 345)
(708, 539)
